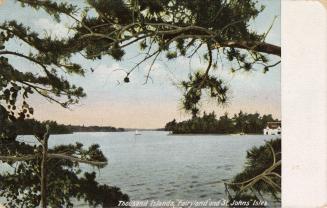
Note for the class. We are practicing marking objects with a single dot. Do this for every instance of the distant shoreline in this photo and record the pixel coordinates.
(32, 126)
(74, 132)
(214, 134)
(169, 134)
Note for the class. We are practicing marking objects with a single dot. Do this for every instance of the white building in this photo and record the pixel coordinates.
(273, 128)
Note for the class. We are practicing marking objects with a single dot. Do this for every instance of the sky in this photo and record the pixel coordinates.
(111, 102)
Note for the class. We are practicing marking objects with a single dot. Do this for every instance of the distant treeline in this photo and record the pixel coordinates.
(95, 129)
(30, 126)
(210, 124)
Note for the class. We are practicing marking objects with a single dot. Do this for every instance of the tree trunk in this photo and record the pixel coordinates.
(44, 170)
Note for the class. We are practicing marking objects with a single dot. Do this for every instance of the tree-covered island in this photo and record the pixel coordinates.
(210, 124)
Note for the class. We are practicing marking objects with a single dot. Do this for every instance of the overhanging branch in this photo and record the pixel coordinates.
(75, 159)
(251, 45)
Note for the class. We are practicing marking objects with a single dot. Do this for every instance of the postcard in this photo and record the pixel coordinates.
(142, 103)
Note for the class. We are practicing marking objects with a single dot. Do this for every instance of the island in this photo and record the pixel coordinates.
(208, 123)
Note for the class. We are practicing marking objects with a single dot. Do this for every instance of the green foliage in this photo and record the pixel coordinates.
(262, 173)
(50, 60)
(32, 126)
(209, 124)
(53, 8)
(178, 28)
(66, 180)
(94, 129)
(171, 54)
(196, 84)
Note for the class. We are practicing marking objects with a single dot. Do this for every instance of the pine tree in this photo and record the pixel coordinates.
(25, 185)
(219, 32)
(261, 177)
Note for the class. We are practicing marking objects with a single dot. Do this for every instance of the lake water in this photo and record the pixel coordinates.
(155, 165)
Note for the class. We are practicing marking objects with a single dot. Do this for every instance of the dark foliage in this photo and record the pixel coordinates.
(66, 180)
(209, 124)
(21, 185)
(94, 129)
(30, 126)
(50, 60)
(220, 32)
(261, 177)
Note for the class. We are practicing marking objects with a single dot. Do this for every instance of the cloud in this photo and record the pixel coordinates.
(54, 29)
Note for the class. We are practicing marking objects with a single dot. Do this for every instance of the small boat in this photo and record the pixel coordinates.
(137, 133)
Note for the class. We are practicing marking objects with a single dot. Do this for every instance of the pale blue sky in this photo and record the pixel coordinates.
(151, 105)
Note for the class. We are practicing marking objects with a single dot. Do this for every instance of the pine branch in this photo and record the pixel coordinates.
(25, 57)
(75, 159)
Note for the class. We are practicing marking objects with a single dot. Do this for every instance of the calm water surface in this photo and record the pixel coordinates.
(155, 165)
